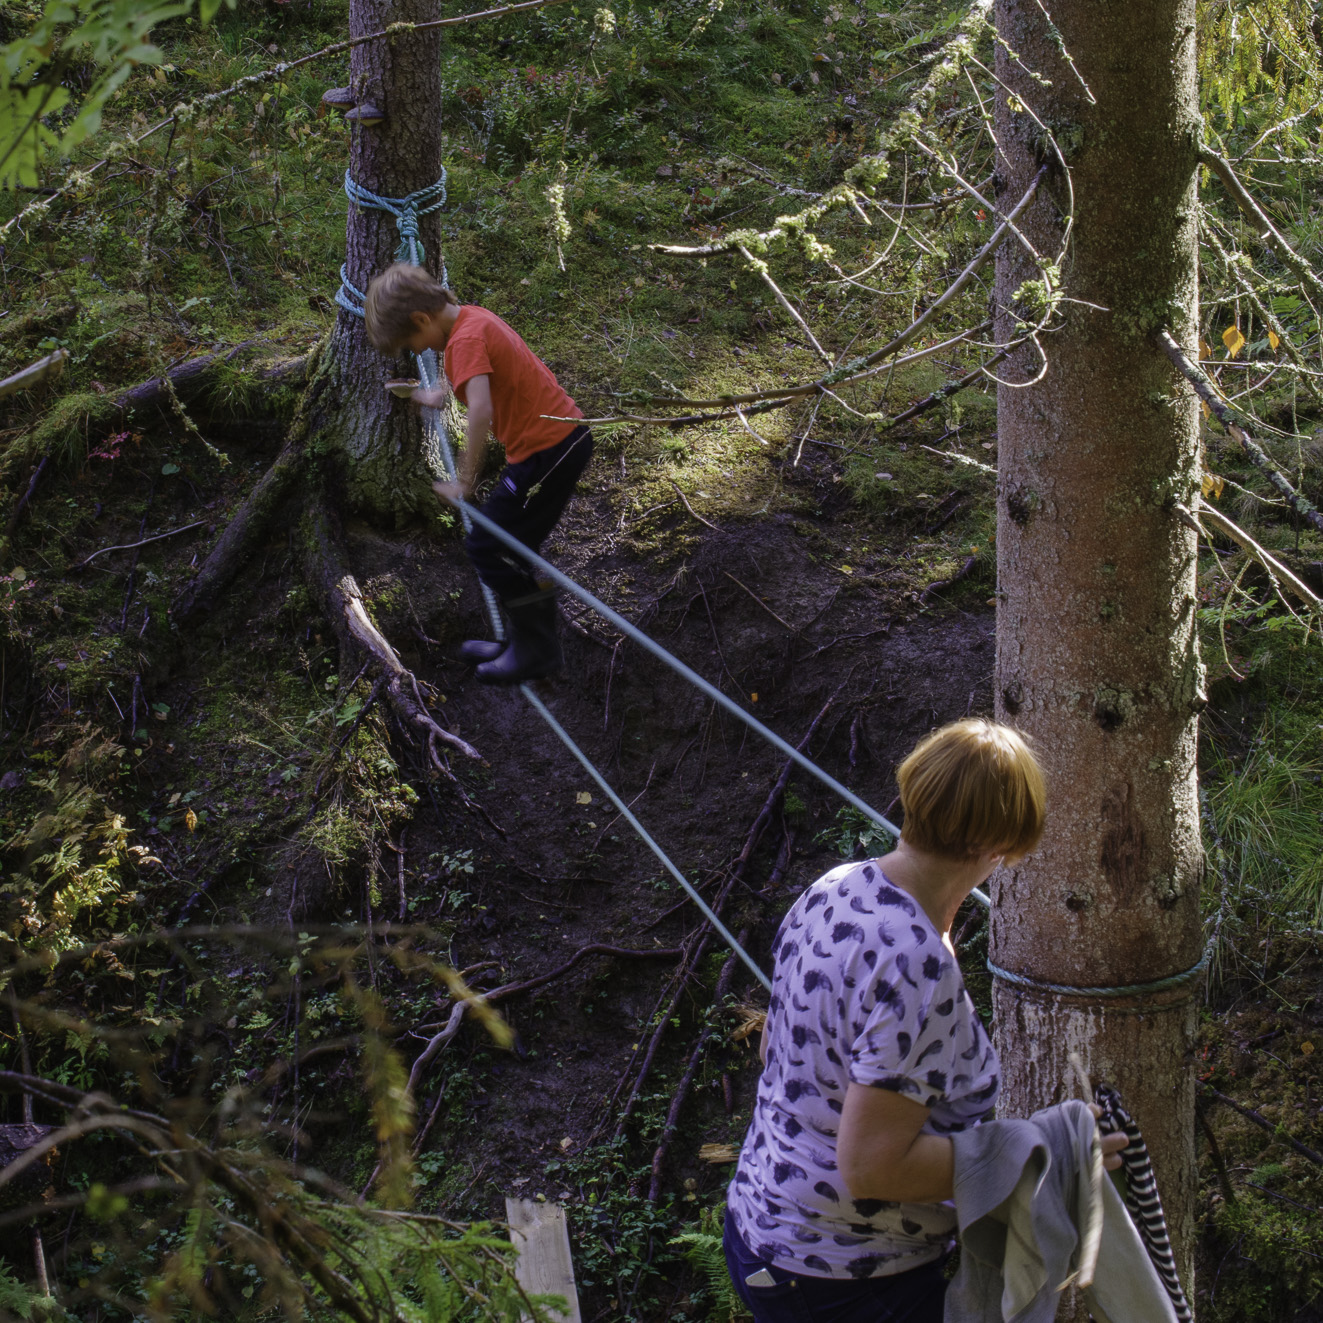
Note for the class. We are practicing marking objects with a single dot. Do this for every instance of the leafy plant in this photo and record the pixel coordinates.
(704, 1251)
(853, 835)
(100, 42)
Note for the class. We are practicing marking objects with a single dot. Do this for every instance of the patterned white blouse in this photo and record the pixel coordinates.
(863, 990)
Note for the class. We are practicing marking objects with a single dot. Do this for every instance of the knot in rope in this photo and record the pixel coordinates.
(407, 211)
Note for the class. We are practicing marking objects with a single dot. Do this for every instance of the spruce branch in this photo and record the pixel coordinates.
(1237, 424)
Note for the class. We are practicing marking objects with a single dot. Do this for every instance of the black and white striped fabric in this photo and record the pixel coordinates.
(1141, 1195)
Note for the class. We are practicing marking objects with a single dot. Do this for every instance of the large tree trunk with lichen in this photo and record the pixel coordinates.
(1097, 656)
(386, 468)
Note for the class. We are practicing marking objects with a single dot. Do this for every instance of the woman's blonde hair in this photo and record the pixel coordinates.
(392, 299)
(970, 787)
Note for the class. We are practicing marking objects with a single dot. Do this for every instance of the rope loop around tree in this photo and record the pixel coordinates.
(407, 212)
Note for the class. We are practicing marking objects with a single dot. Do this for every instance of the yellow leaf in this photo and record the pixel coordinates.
(1205, 349)
(1233, 340)
(1203, 404)
(1274, 340)
(191, 820)
(1307, 1048)
(583, 797)
(1213, 485)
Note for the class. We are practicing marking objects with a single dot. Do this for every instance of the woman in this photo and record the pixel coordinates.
(873, 1053)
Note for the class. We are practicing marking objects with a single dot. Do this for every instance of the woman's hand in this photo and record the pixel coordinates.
(1111, 1144)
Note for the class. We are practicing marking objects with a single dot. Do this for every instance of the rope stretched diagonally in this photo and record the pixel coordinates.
(351, 299)
(406, 211)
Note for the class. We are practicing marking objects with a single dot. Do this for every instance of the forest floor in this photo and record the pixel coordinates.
(826, 571)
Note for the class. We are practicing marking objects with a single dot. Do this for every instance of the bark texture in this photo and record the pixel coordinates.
(387, 470)
(1097, 656)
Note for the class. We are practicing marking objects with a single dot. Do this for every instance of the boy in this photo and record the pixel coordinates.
(509, 391)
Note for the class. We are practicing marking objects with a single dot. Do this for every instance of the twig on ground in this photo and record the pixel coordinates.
(687, 1079)
(1264, 1124)
(684, 500)
(959, 576)
(129, 546)
(760, 602)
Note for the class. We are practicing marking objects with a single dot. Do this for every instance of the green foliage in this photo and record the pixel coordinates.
(703, 1249)
(853, 835)
(15, 1296)
(99, 43)
(70, 870)
(1258, 51)
(1268, 809)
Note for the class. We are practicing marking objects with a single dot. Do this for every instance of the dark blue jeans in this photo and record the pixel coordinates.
(916, 1296)
(528, 499)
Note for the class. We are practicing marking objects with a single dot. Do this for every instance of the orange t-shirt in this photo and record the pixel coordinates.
(523, 387)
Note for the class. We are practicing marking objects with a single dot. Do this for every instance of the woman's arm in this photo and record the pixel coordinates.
(883, 1154)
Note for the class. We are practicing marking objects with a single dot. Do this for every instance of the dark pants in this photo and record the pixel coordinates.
(916, 1296)
(530, 497)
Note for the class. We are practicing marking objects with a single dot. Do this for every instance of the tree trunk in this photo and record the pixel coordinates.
(386, 468)
(1097, 655)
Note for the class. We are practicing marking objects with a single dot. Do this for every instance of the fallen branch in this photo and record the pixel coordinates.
(189, 379)
(130, 546)
(760, 602)
(44, 369)
(687, 1079)
(1276, 569)
(958, 577)
(1235, 422)
(684, 500)
(1268, 232)
(1263, 1123)
(508, 990)
(342, 600)
(23, 500)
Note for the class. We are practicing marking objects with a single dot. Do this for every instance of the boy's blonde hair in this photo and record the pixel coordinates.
(392, 299)
(972, 786)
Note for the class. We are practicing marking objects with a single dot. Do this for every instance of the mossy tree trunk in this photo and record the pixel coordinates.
(1097, 655)
(376, 438)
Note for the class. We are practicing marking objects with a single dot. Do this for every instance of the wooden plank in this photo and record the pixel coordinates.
(541, 1238)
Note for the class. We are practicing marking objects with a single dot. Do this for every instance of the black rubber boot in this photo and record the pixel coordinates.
(534, 648)
(474, 651)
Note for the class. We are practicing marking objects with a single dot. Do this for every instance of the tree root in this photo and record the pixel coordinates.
(241, 537)
(687, 1079)
(342, 602)
(503, 993)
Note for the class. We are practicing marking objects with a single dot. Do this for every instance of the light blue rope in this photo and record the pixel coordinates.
(1104, 993)
(639, 637)
(407, 211)
(427, 374)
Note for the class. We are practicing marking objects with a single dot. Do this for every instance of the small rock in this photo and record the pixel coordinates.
(882, 477)
(11, 780)
(664, 172)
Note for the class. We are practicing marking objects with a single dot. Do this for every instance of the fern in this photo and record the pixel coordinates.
(14, 1296)
(703, 1250)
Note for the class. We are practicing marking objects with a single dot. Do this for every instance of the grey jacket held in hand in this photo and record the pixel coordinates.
(1036, 1215)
